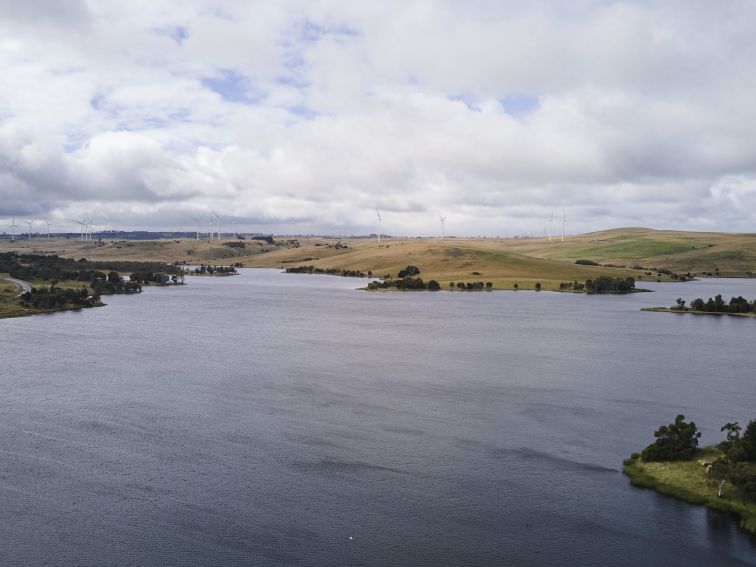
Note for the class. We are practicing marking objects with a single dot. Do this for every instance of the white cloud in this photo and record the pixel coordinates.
(493, 113)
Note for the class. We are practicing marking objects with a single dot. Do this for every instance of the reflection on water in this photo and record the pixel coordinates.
(287, 419)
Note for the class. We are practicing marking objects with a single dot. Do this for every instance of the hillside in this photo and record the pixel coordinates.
(733, 254)
(501, 261)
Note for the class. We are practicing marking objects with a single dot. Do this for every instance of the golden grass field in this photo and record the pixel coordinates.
(503, 262)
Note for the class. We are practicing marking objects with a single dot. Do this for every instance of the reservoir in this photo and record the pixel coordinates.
(274, 419)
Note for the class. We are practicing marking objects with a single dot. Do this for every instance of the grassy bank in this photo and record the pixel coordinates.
(688, 481)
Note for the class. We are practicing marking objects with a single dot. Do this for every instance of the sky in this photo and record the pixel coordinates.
(495, 114)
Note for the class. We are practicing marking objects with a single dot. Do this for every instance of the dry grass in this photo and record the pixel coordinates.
(9, 306)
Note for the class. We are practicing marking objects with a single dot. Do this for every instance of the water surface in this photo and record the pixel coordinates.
(270, 419)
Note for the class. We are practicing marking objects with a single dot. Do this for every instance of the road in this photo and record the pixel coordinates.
(25, 286)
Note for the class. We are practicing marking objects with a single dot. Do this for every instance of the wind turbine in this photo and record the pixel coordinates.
(198, 226)
(218, 219)
(443, 219)
(377, 212)
(47, 222)
(233, 225)
(12, 228)
(30, 223)
(212, 220)
(551, 222)
(564, 222)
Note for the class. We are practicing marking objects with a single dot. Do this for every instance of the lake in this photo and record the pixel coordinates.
(274, 419)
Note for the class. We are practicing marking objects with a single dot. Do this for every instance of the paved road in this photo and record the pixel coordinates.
(25, 286)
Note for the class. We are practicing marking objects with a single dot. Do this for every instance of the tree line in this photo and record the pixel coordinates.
(44, 267)
(717, 305)
(329, 271)
(602, 284)
(58, 298)
(216, 270)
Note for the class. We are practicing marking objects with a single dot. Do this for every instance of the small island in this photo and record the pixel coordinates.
(738, 306)
(722, 477)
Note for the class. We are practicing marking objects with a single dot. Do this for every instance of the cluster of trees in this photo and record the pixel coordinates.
(329, 271)
(58, 298)
(608, 284)
(471, 286)
(42, 267)
(216, 270)
(235, 244)
(586, 262)
(576, 285)
(55, 269)
(156, 278)
(717, 305)
(674, 442)
(737, 453)
(409, 271)
(405, 283)
(114, 283)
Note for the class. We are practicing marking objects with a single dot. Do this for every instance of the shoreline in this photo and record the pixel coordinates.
(692, 312)
(648, 476)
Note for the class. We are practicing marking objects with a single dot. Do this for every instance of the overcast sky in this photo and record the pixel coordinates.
(144, 114)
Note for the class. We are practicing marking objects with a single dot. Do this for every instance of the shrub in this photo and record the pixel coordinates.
(586, 262)
(744, 477)
(409, 271)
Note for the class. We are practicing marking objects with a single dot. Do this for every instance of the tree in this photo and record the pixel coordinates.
(433, 285)
(748, 441)
(409, 271)
(680, 304)
(538, 286)
(674, 442)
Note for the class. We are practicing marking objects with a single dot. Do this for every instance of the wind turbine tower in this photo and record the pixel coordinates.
(198, 225)
(564, 222)
(233, 225)
(30, 223)
(551, 222)
(12, 228)
(218, 220)
(443, 219)
(377, 212)
(47, 222)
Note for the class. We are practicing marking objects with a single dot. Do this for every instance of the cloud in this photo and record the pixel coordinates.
(493, 114)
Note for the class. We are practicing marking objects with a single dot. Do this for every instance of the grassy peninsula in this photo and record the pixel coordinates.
(48, 283)
(722, 477)
(738, 306)
(687, 480)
